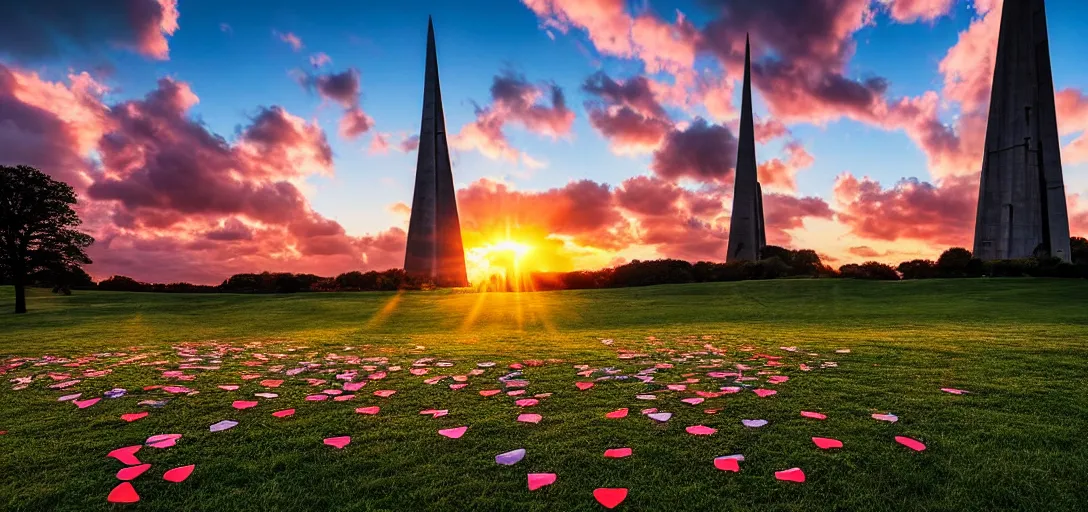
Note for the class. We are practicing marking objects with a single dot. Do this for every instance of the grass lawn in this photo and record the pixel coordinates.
(1016, 441)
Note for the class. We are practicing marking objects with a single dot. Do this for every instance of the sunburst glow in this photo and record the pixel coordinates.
(504, 262)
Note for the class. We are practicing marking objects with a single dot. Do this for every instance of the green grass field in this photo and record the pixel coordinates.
(1015, 442)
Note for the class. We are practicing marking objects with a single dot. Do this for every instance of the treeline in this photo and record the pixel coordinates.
(776, 263)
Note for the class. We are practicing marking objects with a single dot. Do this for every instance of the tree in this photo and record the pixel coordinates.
(954, 262)
(37, 227)
(1079, 249)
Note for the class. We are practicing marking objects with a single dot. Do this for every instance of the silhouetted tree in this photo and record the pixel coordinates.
(954, 262)
(1079, 250)
(869, 270)
(918, 269)
(37, 227)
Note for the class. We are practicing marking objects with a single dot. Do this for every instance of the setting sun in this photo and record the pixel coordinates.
(507, 261)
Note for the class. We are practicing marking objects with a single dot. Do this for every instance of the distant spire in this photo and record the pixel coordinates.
(747, 234)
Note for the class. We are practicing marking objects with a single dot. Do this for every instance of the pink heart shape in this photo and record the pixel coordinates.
(730, 390)
(727, 464)
(954, 391)
(83, 404)
(790, 475)
(490, 392)
(618, 413)
(610, 498)
(453, 433)
(910, 443)
(529, 418)
(178, 475)
(763, 393)
(316, 398)
(270, 383)
(700, 430)
(163, 440)
(813, 415)
(243, 404)
(133, 416)
(825, 443)
(385, 393)
(126, 455)
(354, 386)
(284, 413)
(333, 392)
(338, 442)
(368, 410)
(230, 387)
(132, 472)
(693, 401)
(527, 402)
(418, 371)
(583, 385)
(123, 493)
(538, 480)
(457, 386)
(617, 453)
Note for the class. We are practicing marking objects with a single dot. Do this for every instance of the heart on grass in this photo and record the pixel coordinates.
(727, 464)
(343, 398)
(693, 401)
(813, 415)
(126, 455)
(490, 392)
(244, 404)
(660, 416)
(954, 391)
(435, 413)
(354, 386)
(700, 430)
(530, 418)
(131, 417)
(618, 413)
(163, 440)
(730, 390)
(83, 404)
(583, 385)
(132, 472)
(617, 453)
(538, 480)
(123, 493)
(763, 393)
(910, 443)
(178, 475)
(453, 433)
(368, 410)
(228, 387)
(455, 387)
(754, 423)
(510, 458)
(223, 425)
(610, 498)
(338, 442)
(825, 443)
(270, 383)
(385, 393)
(284, 413)
(890, 418)
(790, 475)
(316, 398)
(527, 402)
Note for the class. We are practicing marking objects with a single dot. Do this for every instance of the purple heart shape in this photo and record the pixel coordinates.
(510, 458)
(754, 423)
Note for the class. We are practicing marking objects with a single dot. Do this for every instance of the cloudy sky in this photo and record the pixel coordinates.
(210, 138)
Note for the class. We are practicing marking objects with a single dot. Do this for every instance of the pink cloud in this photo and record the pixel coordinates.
(909, 11)
(342, 89)
(291, 39)
(627, 113)
(35, 30)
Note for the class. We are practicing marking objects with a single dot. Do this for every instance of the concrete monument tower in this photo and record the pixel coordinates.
(1021, 201)
(747, 235)
(434, 231)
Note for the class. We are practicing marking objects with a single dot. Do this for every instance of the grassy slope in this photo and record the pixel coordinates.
(1020, 345)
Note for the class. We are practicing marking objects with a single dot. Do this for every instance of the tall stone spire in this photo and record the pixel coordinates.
(747, 235)
(434, 232)
(1021, 201)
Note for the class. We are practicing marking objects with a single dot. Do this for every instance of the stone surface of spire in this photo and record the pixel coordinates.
(434, 247)
(1021, 204)
(747, 234)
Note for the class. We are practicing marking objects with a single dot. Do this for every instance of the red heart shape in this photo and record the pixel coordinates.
(538, 480)
(700, 430)
(790, 475)
(133, 416)
(762, 393)
(83, 404)
(813, 415)
(619, 413)
(368, 410)
(617, 453)
(910, 443)
(727, 464)
(243, 404)
(583, 385)
(826, 443)
(123, 493)
(178, 475)
(284, 413)
(490, 392)
(338, 442)
(132, 472)
(126, 455)
(453, 433)
(610, 497)
(384, 393)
